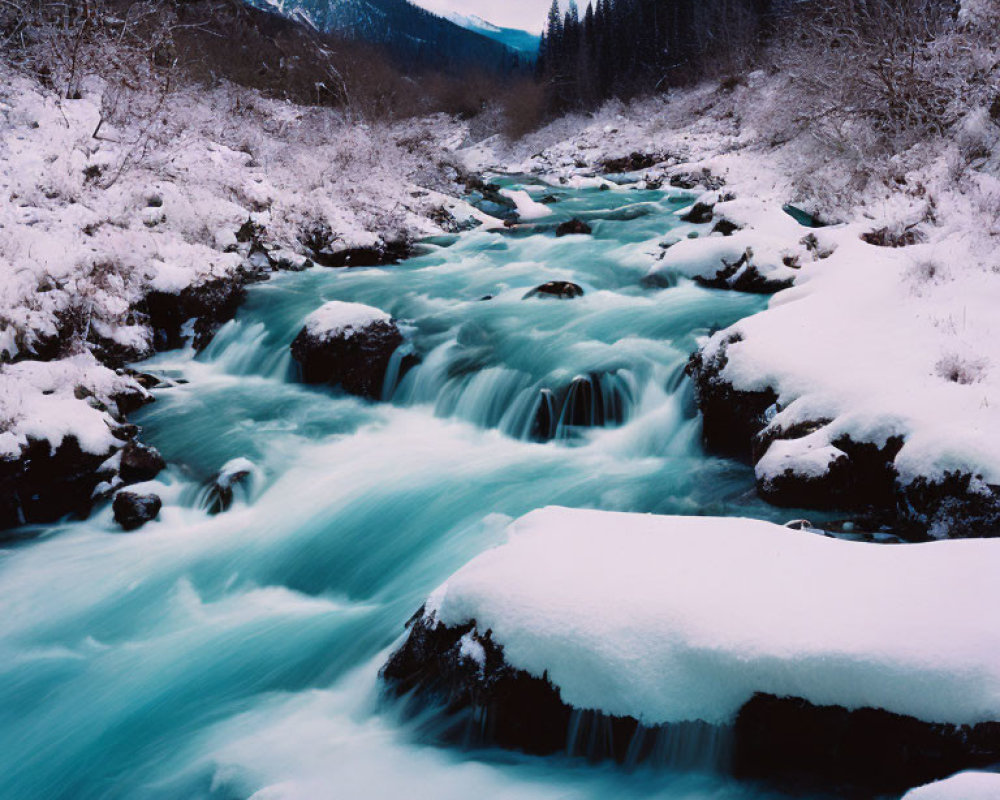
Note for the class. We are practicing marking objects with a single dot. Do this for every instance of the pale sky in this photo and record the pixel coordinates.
(528, 15)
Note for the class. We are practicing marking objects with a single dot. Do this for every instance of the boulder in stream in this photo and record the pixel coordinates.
(574, 227)
(347, 345)
(140, 463)
(563, 290)
(133, 510)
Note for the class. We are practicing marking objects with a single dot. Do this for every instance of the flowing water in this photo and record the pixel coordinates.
(236, 655)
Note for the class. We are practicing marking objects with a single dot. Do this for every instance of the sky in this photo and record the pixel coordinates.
(528, 15)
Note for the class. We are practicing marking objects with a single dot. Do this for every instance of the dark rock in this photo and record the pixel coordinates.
(131, 399)
(543, 427)
(589, 401)
(700, 213)
(524, 713)
(862, 478)
(743, 276)
(140, 463)
(959, 506)
(886, 237)
(144, 379)
(725, 227)
(732, 418)
(632, 162)
(43, 485)
(487, 702)
(356, 362)
(574, 227)
(564, 290)
(657, 280)
(383, 254)
(125, 432)
(691, 180)
(868, 748)
(210, 305)
(250, 233)
(219, 494)
(132, 510)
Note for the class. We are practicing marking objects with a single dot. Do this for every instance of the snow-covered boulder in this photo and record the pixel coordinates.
(803, 646)
(60, 425)
(347, 345)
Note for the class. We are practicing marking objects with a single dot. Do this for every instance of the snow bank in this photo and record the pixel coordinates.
(93, 224)
(667, 619)
(336, 319)
(50, 401)
(964, 786)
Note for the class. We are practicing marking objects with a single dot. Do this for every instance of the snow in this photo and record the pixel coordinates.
(472, 649)
(667, 619)
(42, 400)
(337, 319)
(964, 786)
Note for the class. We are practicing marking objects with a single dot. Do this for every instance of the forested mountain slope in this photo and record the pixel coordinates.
(415, 36)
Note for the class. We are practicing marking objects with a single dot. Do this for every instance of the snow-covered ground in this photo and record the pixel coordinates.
(964, 786)
(871, 342)
(668, 619)
(100, 210)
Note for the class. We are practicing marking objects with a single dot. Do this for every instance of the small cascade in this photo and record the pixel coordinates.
(246, 348)
(682, 745)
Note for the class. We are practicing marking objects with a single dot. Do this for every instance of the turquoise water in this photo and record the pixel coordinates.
(236, 656)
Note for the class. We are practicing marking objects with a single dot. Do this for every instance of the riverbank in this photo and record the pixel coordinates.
(871, 384)
(132, 231)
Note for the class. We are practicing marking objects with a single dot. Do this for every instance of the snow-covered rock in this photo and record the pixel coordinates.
(348, 345)
(665, 620)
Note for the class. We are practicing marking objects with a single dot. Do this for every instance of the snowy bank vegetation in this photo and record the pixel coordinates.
(138, 204)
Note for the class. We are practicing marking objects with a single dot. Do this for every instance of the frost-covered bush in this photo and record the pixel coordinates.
(869, 79)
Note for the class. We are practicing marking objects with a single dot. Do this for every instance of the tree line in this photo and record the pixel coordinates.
(621, 48)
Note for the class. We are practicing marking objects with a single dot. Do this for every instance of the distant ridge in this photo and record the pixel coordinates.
(514, 38)
(415, 37)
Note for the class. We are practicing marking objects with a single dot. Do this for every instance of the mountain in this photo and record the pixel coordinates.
(523, 42)
(413, 36)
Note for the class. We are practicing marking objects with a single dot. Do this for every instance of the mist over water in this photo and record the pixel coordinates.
(236, 656)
